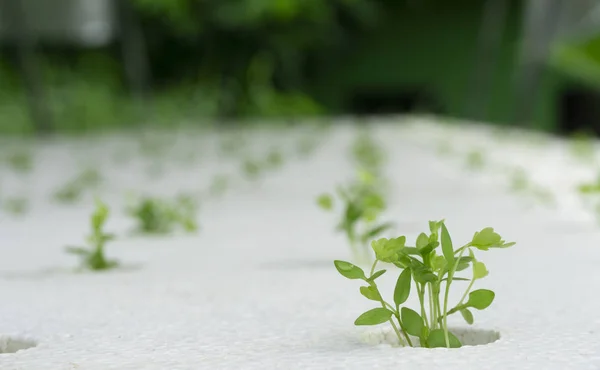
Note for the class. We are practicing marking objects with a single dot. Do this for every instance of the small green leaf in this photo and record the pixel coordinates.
(422, 241)
(488, 238)
(402, 289)
(467, 315)
(479, 270)
(325, 201)
(376, 275)
(412, 322)
(447, 248)
(375, 316)
(370, 292)
(348, 270)
(480, 299)
(388, 250)
(437, 339)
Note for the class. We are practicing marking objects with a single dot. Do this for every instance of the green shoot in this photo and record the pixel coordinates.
(20, 161)
(274, 159)
(93, 258)
(219, 185)
(363, 204)
(73, 190)
(367, 153)
(475, 160)
(160, 216)
(251, 169)
(16, 206)
(431, 274)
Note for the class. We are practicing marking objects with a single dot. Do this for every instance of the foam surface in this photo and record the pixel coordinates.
(256, 287)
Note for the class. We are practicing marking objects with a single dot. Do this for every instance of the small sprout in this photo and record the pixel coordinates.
(73, 190)
(363, 203)
(431, 275)
(274, 159)
(92, 257)
(519, 181)
(16, 206)
(159, 216)
(219, 185)
(251, 169)
(475, 160)
(20, 161)
(367, 153)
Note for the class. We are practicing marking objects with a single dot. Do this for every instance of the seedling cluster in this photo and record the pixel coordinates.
(430, 275)
(93, 257)
(73, 190)
(362, 199)
(164, 216)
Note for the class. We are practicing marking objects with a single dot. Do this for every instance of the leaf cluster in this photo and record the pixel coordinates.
(428, 266)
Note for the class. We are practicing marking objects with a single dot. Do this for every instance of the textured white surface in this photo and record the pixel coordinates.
(256, 288)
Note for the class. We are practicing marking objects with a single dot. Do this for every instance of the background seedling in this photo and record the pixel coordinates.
(362, 206)
(74, 189)
(93, 257)
(251, 169)
(367, 153)
(432, 275)
(20, 161)
(16, 206)
(475, 160)
(162, 216)
(274, 159)
(219, 185)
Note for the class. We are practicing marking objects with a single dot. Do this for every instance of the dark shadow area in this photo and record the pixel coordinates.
(381, 102)
(579, 111)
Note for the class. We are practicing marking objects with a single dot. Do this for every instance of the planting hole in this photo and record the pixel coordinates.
(14, 345)
(467, 336)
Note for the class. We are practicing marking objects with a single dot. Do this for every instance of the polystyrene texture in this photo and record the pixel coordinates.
(256, 287)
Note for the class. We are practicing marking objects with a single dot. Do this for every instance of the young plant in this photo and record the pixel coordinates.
(161, 216)
(475, 160)
(363, 203)
(20, 161)
(74, 189)
(251, 169)
(367, 153)
(431, 274)
(93, 257)
(274, 159)
(16, 206)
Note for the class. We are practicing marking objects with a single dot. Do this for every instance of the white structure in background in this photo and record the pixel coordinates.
(81, 22)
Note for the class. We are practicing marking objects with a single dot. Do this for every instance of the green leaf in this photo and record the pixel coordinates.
(437, 339)
(376, 275)
(402, 289)
(467, 315)
(388, 250)
(480, 299)
(78, 251)
(428, 248)
(375, 316)
(412, 322)
(348, 270)
(479, 270)
(488, 238)
(370, 292)
(422, 241)
(325, 201)
(447, 248)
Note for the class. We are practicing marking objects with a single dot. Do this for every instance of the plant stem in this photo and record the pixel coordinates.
(373, 267)
(421, 292)
(466, 291)
(431, 308)
(446, 293)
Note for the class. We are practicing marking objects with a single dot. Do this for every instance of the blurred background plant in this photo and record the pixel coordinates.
(76, 65)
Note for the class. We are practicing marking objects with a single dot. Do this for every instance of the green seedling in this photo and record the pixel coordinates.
(219, 185)
(363, 204)
(367, 153)
(20, 161)
(16, 206)
(475, 160)
(93, 257)
(590, 187)
(274, 159)
(73, 190)
(519, 181)
(430, 275)
(161, 216)
(251, 169)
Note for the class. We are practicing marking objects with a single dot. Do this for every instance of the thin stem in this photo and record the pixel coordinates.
(431, 308)
(402, 342)
(466, 291)
(373, 268)
(446, 293)
(421, 292)
(404, 332)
